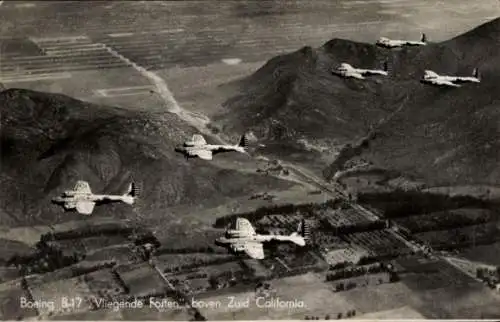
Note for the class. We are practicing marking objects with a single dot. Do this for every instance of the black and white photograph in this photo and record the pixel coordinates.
(198, 160)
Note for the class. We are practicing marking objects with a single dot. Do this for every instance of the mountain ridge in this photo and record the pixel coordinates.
(49, 141)
(325, 110)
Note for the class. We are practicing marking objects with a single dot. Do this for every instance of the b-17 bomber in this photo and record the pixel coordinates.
(245, 239)
(396, 43)
(198, 147)
(83, 200)
(319, 161)
(433, 78)
(347, 71)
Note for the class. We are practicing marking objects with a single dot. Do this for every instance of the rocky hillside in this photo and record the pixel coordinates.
(447, 136)
(296, 96)
(49, 141)
(442, 135)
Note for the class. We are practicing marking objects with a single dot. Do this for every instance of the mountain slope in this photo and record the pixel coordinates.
(49, 141)
(449, 136)
(294, 98)
(297, 107)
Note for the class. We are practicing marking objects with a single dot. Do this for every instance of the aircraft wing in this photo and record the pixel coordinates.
(244, 227)
(203, 154)
(253, 249)
(82, 187)
(85, 207)
(198, 139)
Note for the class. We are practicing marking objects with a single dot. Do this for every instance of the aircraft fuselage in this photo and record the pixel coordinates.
(299, 240)
(209, 147)
(346, 70)
(458, 79)
(75, 197)
(400, 43)
(453, 81)
(371, 72)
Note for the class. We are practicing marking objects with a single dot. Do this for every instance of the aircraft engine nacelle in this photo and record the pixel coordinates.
(233, 233)
(180, 147)
(344, 67)
(238, 248)
(384, 41)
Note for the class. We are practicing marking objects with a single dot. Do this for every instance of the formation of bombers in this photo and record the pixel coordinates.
(81, 198)
(244, 238)
(430, 77)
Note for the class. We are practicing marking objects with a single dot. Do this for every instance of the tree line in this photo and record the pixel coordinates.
(400, 203)
(306, 209)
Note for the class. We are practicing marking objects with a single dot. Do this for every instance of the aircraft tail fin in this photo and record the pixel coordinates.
(131, 194)
(475, 73)
(303, 230)
(243, 143)
(424, 37)
(132, 190)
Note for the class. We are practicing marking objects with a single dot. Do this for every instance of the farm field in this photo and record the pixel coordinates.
(402, 313)
(388, 297)
(378, 243)
(461, 237)
(342, 217)
(422, 275)
(446, 219)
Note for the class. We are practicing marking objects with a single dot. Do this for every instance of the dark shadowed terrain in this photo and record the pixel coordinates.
(444, 136)
(49, 141)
